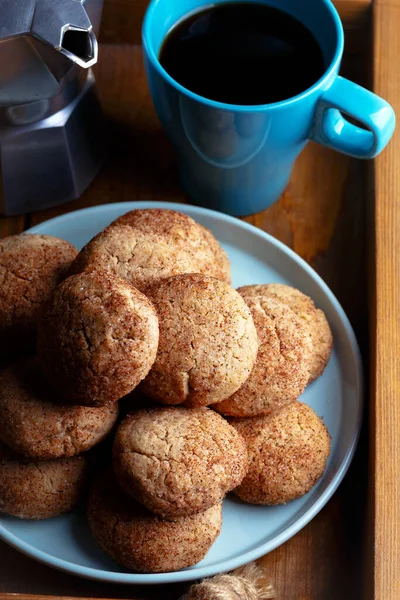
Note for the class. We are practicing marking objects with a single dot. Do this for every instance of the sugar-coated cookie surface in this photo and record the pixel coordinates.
(97, 338)
(34, 422)
(304, 308)
(208, 341)
(40, 489)
(146, 246)
(178, 461)
(287, 450)
(184, 232)
(138, 257)
(143, 542)
(281, 371)
(31, 266)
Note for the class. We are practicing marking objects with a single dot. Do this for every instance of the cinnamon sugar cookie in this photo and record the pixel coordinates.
(288, 451)
(143, 542)
(281, 371)
(140, 258)
(97, 339)
(35, 423)
(304, 308)
(208, 341)
(31, 266)
(40, 489)
(146, 246)
(185, 233)
(178, 461)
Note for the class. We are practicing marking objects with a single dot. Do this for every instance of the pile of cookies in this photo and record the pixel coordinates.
(207, 379)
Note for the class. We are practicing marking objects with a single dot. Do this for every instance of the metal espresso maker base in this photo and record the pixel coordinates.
(54, 159)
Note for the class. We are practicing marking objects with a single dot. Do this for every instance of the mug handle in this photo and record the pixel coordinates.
(332, 129)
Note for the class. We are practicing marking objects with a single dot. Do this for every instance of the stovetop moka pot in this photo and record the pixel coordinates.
(50, 118)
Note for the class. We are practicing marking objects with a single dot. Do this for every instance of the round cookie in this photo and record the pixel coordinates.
(281, 371)
(178, 461)
(288, 451)
(141, 541)
(185, 233)
(304, 308)
(97, 338)
(208, 341)
(31, 266)
(138, 257)
(41, 489)
(34, 422)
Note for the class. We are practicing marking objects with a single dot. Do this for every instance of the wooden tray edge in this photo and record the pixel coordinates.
(384, 508)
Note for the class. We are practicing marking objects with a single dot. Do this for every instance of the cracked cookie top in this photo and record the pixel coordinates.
(288, 451)
(138, 257)
(97, 338)
(159, 247)
(185, 233)
(35, 423)
(178, 461)
(281, 371)
(306, 310)
(40, 489)
(208, 341)
(31, 266)
(143, 542)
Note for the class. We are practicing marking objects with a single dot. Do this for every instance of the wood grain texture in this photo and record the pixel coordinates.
(385, 329)
(320, 216)
(122, 20)
(11, 225)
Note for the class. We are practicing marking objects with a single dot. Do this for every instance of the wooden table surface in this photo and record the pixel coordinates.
(323, 217)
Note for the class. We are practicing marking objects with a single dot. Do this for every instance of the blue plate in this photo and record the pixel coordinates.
(248, 532)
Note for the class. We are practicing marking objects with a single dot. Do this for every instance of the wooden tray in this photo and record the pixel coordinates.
(335, 213)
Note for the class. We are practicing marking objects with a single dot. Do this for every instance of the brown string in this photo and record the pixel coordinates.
(246, 583)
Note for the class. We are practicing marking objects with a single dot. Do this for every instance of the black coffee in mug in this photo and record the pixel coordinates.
(243, 53)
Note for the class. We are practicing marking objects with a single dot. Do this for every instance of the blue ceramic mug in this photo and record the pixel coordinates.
(238, 159)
